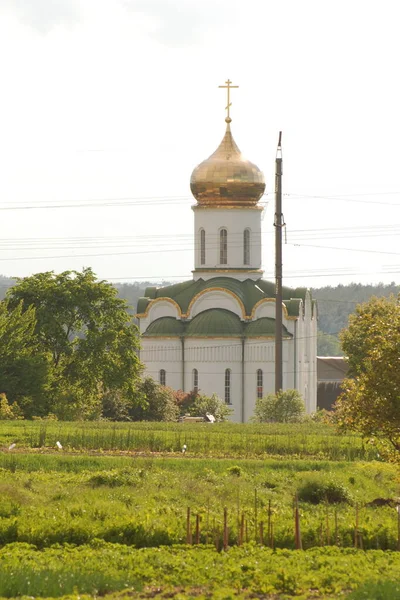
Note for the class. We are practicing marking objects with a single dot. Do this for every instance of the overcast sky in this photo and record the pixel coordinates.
(107, 106)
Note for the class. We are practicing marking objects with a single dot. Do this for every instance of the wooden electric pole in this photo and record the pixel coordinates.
(278, 223)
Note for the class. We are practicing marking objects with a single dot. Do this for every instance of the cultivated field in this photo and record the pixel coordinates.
(108, 513)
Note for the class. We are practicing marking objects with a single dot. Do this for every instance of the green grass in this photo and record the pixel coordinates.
(48, 499)
(304, 440)
(102, 568)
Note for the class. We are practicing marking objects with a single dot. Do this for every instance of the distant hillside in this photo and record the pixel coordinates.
(335, 304)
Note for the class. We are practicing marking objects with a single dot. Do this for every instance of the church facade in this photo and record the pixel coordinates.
(216, 332)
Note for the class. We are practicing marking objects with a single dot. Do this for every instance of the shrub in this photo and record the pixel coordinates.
(287, 406)
(316, 491)
(235, 470)
(157, 402)
(203, 405)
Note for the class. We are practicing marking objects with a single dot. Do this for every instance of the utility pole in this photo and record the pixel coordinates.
(278, 224)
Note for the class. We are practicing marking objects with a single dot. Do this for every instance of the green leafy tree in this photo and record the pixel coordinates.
(287, 406)
(370, 402)
(24, 364)
(89, 334)
(157, 402)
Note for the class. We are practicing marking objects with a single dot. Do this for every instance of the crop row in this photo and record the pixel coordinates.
(222, 439)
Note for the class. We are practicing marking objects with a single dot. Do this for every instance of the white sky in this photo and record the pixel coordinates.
(115, 102)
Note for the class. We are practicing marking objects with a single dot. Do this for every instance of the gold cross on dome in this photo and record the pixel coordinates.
(228, 87)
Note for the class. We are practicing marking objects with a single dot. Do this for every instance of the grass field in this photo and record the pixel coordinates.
(109, 515)
(219, 439)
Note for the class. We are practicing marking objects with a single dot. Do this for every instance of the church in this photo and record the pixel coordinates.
(216, 332)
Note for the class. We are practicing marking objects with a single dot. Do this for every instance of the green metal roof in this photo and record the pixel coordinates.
(247, 291)
(165, 326)
(214, 322)
(264, 327)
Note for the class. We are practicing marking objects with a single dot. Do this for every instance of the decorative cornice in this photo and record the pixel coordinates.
(233, 270)
(225, 207)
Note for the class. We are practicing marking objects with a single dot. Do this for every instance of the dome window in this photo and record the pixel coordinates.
(202, 247)
(246, 247)
(223, 247)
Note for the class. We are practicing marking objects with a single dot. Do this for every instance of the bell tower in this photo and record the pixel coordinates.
(227, 216)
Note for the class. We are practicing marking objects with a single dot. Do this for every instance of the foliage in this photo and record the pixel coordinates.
(24, 366)
(370, 402)
(287, 406)
(157, 402)
(316, 490)
(142, 501)
(202, 405)
(378, 590)
(89, 334)
(328, 345)
(248, 572)
(7, 412)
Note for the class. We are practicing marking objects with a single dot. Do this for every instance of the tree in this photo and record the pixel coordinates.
(287, 406)
(24, 365)
(157, 402)
(89, 334)
(370, 402)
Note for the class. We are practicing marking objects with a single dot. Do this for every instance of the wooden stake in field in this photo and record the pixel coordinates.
(356, 529)
(255, 515)
(188, 527)
(197, 529)
(262, 533)
(241, 530)
(328, 533)
(297, 533)
(336, 529)
(269, 535)
(398, 526)
(225, 528)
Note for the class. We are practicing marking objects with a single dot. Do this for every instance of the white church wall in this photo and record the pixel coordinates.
(211, 357)
(235, 221)
(163, 354)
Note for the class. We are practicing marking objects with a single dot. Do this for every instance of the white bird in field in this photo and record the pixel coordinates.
(12, 446)
(59, 446)
(184, 448)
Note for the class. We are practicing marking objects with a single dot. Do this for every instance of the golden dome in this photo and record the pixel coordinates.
(227, 177)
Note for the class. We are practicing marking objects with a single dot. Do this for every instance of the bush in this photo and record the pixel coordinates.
(157, 402)
(213, 405)
(8, 412)
(316, 491)
(287, 406)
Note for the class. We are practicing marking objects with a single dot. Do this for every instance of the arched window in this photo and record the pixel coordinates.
(228, 386)
(163, 377)
(260, 390)
(246, 247)
(202, 247)
(223, 247)
(195, 374)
